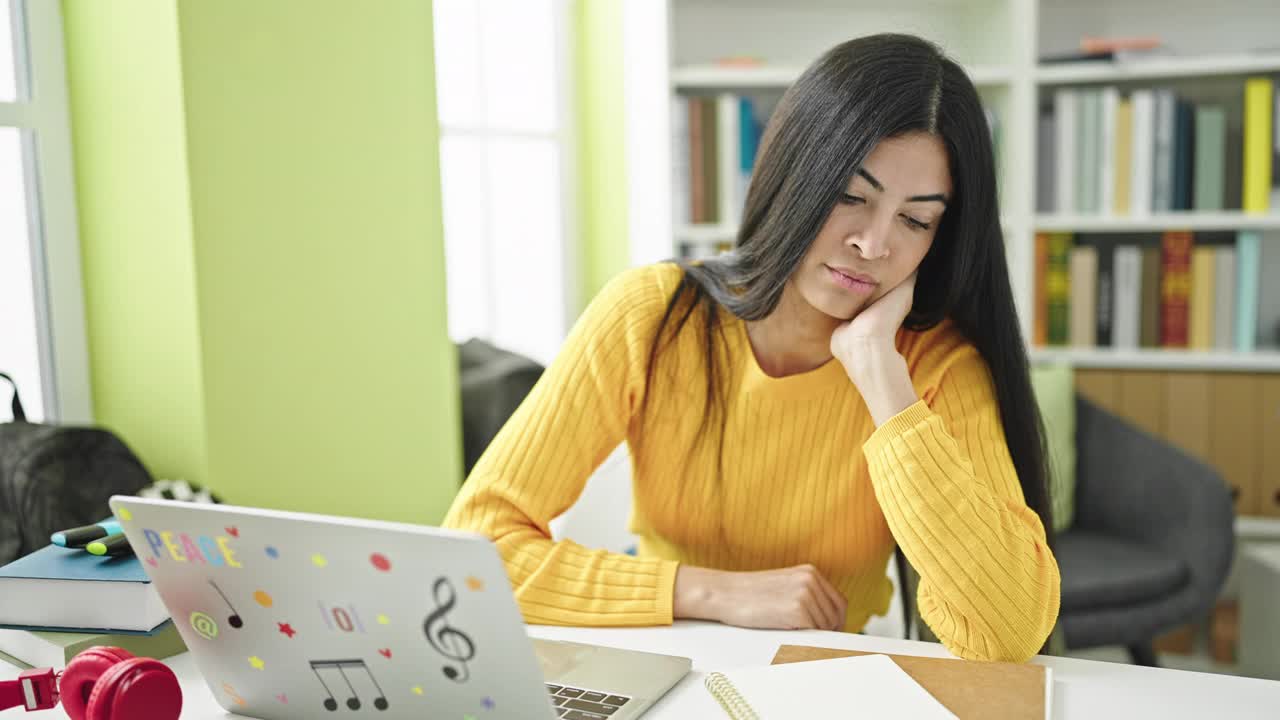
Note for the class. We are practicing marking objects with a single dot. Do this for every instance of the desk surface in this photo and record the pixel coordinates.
(1082, 688)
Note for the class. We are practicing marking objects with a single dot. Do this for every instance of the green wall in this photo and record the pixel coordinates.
(601, 118)
(322, 377)
(129, 136)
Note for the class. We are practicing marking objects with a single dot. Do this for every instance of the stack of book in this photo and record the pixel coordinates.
(58, 601)
(1200, 291)
(1104, 151)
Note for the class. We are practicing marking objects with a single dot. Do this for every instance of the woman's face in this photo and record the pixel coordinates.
(880, 229)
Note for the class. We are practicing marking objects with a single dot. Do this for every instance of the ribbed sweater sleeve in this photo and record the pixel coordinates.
(538, 464)
(942, 473)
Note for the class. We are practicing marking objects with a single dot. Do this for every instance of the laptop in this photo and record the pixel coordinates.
(291, 615)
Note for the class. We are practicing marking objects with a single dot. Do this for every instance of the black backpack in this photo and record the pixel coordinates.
(53, 478)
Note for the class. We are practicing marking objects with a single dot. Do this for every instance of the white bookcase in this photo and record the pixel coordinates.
(999, 43)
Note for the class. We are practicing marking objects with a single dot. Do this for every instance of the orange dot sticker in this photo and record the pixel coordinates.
(263, 598)
(475, 584)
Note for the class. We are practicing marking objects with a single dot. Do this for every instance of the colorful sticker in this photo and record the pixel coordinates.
(263, 598)
(231, 693)
(256, 662)
(234, 619)
(416, 689)
(205, 626)
(385, 652)
(452, 644)
(475, 584)
(124, 514)
(342, 617)
(341, 666)
(287, 630)
(272, 552)
(380, 561)
(487, 703)
(383, 619)
(233, 531)
(319, 560)
(284, 699)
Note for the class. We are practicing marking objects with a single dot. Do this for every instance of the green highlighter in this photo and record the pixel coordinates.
(110, 546)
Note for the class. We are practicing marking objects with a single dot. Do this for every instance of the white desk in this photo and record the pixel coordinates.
(1083, 689)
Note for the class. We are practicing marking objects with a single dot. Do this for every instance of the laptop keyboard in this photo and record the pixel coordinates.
(578, 704)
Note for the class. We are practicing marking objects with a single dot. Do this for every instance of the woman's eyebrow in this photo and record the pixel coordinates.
(936, 197)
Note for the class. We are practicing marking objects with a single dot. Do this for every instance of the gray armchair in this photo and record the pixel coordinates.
(1152, 540)
(1150, 546)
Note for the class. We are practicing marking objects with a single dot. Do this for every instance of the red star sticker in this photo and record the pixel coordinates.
(287, 630)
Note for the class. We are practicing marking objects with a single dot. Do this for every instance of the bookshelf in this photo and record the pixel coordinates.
(999, 42)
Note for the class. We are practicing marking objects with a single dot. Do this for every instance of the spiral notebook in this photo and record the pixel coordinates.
(872, 685)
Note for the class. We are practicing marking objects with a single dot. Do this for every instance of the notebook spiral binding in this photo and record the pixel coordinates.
(727, 695)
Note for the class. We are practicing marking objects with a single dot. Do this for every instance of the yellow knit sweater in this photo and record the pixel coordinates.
(806, 478)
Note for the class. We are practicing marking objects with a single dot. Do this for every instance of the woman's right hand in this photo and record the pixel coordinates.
(793, 598)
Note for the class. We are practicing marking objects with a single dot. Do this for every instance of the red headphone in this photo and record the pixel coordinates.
(101, 683)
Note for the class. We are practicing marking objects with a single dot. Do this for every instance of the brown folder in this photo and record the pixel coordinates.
(970, 689)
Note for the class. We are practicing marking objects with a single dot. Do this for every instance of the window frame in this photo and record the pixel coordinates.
(41, 113)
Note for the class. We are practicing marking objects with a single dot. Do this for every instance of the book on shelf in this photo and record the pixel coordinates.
(1162, 172)
(1149, 307)
(1108, 120)
(1183, 145)
(47, 648)
(1210, 157)
(1143, 151)
(1127, 272)
(1269, 294)
(1058, 288)
(1248, 265)
(1258, 144)
(1064, 153)
(1084, 287)
(1201, 308)
(1122, 162)
(1175, 288)
(1224, 298)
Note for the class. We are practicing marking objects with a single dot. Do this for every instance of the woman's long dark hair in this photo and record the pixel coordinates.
(857, 94)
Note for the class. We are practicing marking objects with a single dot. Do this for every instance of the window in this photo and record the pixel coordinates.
(502, 73)
(42, 339)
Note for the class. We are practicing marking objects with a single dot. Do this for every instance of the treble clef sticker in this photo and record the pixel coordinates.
(447, 640)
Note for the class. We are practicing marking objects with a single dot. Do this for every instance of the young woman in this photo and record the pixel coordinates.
(852, 377)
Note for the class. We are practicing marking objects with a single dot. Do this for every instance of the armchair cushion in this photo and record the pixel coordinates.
(1100, 571)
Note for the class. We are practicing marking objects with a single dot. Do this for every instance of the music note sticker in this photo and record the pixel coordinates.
(447, 640)
(353, 702)
(234, 620)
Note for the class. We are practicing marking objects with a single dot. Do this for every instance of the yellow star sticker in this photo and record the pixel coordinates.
(417, 689)
(124, 514)
(256, 662)
(384, 620)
